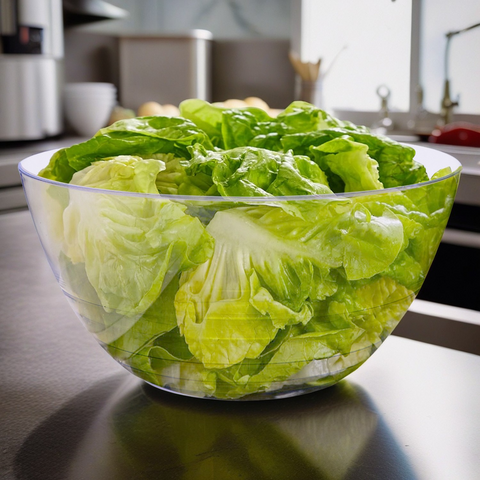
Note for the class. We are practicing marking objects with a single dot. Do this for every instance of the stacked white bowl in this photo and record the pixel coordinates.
(88, 106)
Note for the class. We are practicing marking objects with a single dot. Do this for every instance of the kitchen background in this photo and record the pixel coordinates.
(166, 50)
(69, 412)
(326, 28)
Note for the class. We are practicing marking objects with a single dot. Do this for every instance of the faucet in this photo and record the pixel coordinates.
(446, 111)
(447, 104)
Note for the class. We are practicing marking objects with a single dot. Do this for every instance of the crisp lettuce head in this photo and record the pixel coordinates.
(233, 296)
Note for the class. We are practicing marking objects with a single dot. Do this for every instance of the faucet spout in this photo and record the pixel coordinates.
(447, 106)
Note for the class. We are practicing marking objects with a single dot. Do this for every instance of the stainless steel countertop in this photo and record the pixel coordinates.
(11, 193)
(69, 412)
(10, 156)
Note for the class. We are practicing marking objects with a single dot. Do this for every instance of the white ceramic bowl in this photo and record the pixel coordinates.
(88, 106)
(88, 115)
(89, 86)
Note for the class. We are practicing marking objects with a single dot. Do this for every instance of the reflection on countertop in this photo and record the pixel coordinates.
(134, 431)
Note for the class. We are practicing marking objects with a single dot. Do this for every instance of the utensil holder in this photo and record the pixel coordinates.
(312, 92)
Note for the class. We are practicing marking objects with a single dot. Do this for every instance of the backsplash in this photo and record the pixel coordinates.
(251, 41)
(238, 69)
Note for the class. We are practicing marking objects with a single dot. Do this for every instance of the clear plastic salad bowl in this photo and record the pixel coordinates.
(241, 297)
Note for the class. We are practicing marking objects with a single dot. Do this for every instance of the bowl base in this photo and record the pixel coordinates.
(276, 395)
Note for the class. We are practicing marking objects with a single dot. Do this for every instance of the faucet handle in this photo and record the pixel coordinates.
(384, 93)
(384, 123)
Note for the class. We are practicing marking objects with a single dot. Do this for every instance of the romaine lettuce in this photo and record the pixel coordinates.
(228, 297)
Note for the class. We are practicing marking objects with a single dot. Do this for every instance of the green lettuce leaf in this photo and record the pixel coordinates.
(107, 233)
(143, 137)
(435, 199)
(230, 307)
(159, 319)
(304, 117)
(174, 180)
(362, 243)
(206, 116)
(105, 326)
(424, 213)
(289, 358)
(278, 247)
(375, 306)
(407, 271)
(350, 162)
(125, 173)
(396, 164)
(241, 126)
(254, 127)
(167, 361)
(250, 171)
(131, 246)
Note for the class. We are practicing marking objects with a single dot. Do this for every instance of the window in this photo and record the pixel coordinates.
(438, 18)
(398, 43)
(362, 44)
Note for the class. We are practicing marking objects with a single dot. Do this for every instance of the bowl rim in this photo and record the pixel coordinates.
(25, 169)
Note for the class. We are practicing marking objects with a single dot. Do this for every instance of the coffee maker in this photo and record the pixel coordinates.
(31, 69)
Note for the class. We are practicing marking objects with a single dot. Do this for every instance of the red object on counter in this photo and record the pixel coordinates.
(459, 133)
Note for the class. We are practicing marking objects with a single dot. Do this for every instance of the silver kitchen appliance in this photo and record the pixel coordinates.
(31, 64)
(178, 67)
